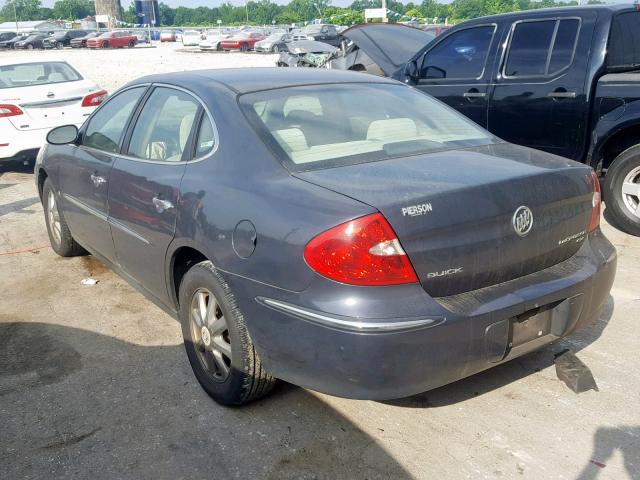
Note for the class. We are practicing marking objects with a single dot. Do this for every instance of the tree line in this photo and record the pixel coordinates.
(265, 12)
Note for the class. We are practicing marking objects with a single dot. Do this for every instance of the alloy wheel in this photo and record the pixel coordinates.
(631, 191)
(54, 218)
(210, 334)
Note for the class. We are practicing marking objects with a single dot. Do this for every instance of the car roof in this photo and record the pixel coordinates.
(244, 80)
(605, 8)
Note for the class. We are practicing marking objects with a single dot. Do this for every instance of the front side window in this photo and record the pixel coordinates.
(106, 127)
(335, 125)
(164, 125)
(541, 48)
(39, 73)
(462, 55)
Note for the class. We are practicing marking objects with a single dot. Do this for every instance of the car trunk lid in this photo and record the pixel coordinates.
(456, 213)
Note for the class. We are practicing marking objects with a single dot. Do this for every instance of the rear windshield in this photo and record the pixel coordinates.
(324, 126)
(624, 42)
(30, 74)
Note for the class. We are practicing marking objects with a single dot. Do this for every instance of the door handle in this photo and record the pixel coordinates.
(97, 180)
(474, 94)
(562, 94)
(162, 205)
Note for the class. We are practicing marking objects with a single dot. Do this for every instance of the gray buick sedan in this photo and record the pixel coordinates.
(343, 232)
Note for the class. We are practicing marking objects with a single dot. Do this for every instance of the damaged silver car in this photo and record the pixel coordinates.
(306, 53)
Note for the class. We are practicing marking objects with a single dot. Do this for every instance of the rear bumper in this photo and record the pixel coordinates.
(408, 342)
(24, 144)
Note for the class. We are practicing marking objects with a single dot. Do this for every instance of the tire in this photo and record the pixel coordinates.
(59, 45)
(131, 44)
(275, 49)
(219, 48)
(244, 379)
(105, 44)
(60, 237)
(624, 173)
(244, 47)
(29, 47)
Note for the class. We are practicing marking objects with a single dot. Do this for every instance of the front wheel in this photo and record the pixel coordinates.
(132, 44)
(105, 45)
(60, 236)
(216, 339)
(244, 47)
(59, 45)
(622, 190)
(276, 49)
(29, 47)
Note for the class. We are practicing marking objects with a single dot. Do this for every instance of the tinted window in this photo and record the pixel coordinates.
(106, 127)
(461, 55)
(564, 44)
(163, 127)
(350, 128)
(529, 48)
(206, 137)
(624, 42)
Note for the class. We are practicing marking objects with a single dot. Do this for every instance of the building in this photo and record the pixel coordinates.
(109, 8)
(27, 27)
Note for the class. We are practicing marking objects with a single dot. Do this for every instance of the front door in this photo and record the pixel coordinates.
(456, 71)
(539, 99)
(86, 172)
(144, 196)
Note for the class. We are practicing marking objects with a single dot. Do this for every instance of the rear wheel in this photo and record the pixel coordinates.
(132, 44)
(60, 237)
(244, 47)
(622, 190)
(216, 339)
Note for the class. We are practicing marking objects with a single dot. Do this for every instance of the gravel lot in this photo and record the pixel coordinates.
(94, 382)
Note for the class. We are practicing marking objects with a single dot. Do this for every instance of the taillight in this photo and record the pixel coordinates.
(9, 110)
(94, 99)
(596, 203)
(364, 251)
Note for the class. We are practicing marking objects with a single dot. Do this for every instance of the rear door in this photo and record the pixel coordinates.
(539, 99)
(456, 70)
(85, 172)
(144, 198)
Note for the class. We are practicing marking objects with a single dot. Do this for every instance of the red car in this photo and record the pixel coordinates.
(113, 40)
(168, 36)
(242, 41)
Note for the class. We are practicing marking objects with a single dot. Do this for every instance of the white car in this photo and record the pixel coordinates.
(191, 38)
(212, 42)
(37, 96)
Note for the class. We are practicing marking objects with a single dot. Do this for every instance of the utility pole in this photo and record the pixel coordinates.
(246, 7)
(384, 5)
(15, 14)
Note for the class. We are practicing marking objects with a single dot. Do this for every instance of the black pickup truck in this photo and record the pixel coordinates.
(564, 80)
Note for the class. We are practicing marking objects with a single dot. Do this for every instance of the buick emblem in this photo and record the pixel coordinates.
(522, 221)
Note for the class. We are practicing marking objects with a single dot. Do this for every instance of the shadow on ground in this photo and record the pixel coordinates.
(509, 372)
(15, 166)
(76, 404)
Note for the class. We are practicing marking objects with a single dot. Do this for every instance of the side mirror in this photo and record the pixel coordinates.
(63, 135)
(411, 71)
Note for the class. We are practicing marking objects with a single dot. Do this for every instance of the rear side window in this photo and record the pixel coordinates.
(206, 137)
(461, 55)
(624, 42)
(164, 125)
(105, 129)
(541, 48)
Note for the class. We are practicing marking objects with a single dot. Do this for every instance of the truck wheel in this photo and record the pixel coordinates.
(59, 235)
(622, 190)
(216, 339)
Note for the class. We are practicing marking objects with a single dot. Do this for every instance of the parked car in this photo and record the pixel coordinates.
(191, 38)
(213, 42)
(142, 36)
(274, 43)
(113, 40)
(168, 36)
(405, 40)
(306, 53)
(394, 239)
(243, 41)
(81, 42)
(577, 96)
(12, 41)
(4, 36)
(30, 42)
(322, 33)
(63, 39)
(36, 96)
